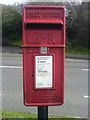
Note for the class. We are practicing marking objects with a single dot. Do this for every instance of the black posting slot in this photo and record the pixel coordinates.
(44, 26)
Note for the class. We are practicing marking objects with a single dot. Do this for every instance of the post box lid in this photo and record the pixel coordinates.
(40, 21)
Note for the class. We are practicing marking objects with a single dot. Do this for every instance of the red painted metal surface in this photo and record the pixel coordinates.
(43, 27)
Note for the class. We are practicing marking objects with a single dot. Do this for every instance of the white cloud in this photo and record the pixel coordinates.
(53, 0)
(10, 2)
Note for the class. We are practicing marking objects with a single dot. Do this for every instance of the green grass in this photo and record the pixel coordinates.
(78, 52)
(19, 116)
(16, 42)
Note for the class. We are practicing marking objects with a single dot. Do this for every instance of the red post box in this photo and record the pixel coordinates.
(43, 55)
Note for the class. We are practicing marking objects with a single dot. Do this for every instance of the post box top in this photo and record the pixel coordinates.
(54, 7)
(44, 14)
